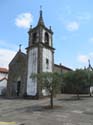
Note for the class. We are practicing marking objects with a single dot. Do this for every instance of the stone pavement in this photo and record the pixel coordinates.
(68, 111)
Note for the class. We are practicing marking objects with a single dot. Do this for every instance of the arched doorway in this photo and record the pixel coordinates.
(18, 88)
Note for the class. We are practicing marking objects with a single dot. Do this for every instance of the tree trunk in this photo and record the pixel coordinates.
(77, 91)
(51, 99)
(90, 94)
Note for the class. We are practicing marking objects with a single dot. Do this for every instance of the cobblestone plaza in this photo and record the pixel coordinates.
(68, 111)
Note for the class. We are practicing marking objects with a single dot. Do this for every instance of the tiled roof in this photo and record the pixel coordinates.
(19, 55)
(64, 67)
(3, 70)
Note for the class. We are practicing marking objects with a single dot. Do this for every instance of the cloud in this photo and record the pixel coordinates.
(6, 56)
(24, 20)
(73, 21)
(72, 26)
(83, 58)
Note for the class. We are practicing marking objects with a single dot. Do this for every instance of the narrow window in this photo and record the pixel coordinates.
(46, 38)
(18, 88)
(47, 63)
(34, 38)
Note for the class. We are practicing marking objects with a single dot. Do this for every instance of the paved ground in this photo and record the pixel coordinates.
(32, 112)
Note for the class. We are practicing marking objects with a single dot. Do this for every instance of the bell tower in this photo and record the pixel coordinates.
(40, 54)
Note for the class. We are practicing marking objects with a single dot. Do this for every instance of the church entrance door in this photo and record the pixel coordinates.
(18, 87)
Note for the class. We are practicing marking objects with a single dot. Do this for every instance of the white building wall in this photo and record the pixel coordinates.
(3, 83)
(3, 75)
(47, 54)
(32, 68)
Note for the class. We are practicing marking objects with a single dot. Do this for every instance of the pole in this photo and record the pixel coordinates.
(89, 79)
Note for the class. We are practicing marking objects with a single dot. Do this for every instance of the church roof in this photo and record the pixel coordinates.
(19, 56)
(41, 22)
(63, 67)
(3, 70)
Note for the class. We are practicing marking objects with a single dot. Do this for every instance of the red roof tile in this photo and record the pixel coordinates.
(3, 70)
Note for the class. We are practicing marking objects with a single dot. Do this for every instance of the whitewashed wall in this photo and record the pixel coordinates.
(3, 83)
(32, 68)
(47, 54)
(91, 89)
(3, 75)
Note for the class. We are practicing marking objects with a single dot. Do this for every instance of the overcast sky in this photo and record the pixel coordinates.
(71, 21)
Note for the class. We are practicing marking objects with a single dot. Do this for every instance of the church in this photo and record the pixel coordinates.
(39, 58)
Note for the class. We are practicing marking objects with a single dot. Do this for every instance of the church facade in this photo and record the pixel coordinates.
(39, 58)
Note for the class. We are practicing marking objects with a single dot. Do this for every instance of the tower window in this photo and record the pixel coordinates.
(47, 63)
(34, 37)
(46, 38)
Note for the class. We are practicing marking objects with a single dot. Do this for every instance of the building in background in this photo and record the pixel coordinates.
(3, 80)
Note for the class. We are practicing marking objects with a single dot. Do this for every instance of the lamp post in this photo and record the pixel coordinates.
(89, 77)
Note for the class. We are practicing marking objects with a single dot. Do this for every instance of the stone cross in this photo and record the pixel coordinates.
(20, 47)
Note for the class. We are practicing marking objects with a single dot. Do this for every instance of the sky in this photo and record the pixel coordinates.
(71, 22)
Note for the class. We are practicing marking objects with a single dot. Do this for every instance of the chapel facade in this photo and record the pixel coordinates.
(39, 58)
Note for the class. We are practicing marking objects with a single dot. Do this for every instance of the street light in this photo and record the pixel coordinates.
(89, 77)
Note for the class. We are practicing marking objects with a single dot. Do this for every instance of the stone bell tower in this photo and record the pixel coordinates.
(40, 54)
